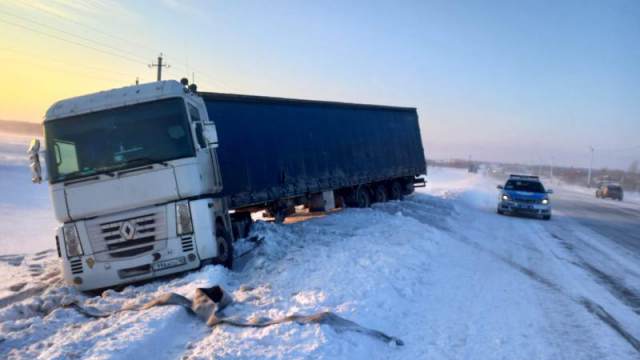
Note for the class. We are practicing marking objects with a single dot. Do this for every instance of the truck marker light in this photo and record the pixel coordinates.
(91, 262)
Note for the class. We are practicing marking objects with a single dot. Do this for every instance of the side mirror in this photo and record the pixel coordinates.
(211, 134)
(34, 161)
(549, 191)
(500, 187)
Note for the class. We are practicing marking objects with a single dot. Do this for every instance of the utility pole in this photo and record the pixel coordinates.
(159, 65)
(590, 167)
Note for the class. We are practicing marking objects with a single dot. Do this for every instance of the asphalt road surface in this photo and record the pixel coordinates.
(616, 221)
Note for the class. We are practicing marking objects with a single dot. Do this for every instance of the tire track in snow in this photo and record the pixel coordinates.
(592, 307)
(615, 286)
(605, 317)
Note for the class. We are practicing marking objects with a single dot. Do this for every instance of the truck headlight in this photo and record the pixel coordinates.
(545, 201)
(72, 240)
(505, 197)
(183, 218)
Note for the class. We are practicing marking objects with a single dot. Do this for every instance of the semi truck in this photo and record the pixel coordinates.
(155, 179)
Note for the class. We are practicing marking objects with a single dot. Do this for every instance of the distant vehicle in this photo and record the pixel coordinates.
(612, 191)
(524, 195)
(473, 168)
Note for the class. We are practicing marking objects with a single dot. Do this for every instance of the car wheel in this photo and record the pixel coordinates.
(546, 217)
(500, 211)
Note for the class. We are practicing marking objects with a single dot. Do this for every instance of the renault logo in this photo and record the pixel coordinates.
(128, 230)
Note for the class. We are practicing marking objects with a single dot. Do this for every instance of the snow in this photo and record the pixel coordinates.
(26, 216)
(439, 270)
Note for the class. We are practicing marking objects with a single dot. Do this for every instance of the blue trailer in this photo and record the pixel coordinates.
(275, 153)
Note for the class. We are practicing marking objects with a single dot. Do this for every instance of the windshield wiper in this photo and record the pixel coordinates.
(146, 161)
(85, 175)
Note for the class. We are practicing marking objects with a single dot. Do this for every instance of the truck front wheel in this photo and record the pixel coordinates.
(225, 247)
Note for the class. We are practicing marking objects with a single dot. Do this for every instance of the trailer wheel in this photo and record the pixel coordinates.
(395, 190)
(363, 199)
(407, 188)
(224, 245)
(380, 194)
(359, 197)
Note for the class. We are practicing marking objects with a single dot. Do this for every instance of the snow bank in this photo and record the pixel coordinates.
(439, 270)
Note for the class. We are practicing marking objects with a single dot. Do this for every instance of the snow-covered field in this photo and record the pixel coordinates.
(26, 217)
(440, 270)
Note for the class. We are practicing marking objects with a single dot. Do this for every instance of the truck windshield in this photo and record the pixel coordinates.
(529, 186)
(115, 139)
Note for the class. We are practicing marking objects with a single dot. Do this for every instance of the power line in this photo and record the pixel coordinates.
(116, 52)
(119, 38)
(101, 32)
(64, 32)
(30, 55)
(69, 71)
(73, 42)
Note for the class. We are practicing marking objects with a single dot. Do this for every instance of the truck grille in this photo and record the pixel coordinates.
(128, 234)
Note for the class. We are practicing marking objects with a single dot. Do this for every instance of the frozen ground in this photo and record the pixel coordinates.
(440, 270)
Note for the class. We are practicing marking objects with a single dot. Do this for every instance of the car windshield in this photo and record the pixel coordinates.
(116, 139)
(524, 185)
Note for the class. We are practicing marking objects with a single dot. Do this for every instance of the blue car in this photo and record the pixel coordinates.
(524, 195)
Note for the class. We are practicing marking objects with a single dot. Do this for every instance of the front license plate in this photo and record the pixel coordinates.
(166, 264)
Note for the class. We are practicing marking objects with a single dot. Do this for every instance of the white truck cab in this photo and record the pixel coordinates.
(133, 175)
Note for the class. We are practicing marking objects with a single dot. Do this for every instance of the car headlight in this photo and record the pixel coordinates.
(506, 197)
(545, 201)
(72, 240)
(183, 218)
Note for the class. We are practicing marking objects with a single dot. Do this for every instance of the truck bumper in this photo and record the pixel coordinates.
(87, 274)
(510, 207)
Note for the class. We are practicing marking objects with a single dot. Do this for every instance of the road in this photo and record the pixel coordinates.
(616, 221)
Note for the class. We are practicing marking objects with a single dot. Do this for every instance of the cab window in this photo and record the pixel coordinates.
(194, 113)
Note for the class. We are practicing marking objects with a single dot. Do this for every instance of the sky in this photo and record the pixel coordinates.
(517, 81)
